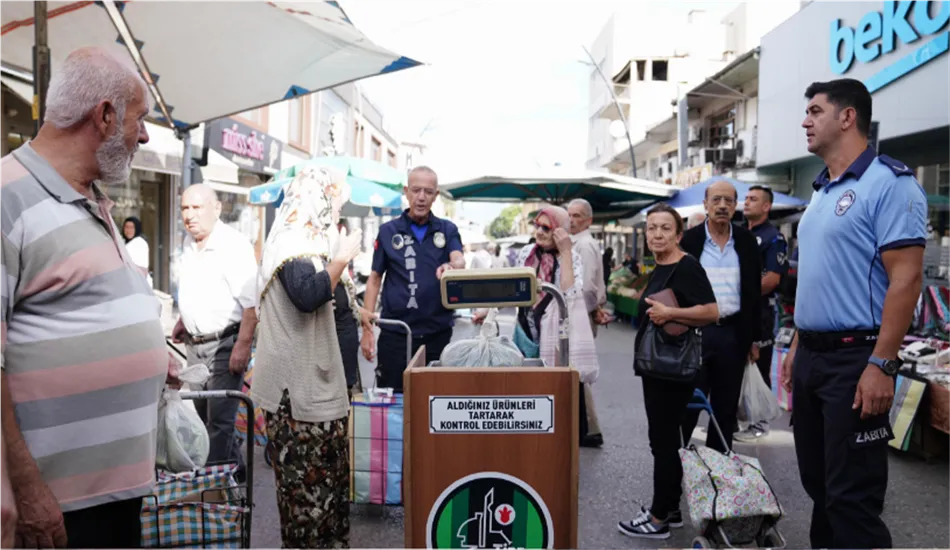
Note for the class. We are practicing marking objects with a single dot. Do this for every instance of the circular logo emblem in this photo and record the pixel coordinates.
(439, 239)
(398, 241)
(489, 510)
(759, 240)
(844, 202)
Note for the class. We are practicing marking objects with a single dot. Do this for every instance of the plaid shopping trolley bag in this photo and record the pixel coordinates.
(375, 427)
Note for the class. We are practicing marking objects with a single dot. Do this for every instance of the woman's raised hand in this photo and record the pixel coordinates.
(349, 245)
(562, 240)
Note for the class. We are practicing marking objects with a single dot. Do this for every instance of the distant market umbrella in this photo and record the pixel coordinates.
(376, 172)
(559, 187)
(690, 200)
(208, 60)
(366, 198)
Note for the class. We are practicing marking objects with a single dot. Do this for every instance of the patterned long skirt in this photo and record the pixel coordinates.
(312, 468)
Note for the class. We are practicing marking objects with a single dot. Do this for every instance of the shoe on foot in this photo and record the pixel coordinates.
(754, 432)
(643, 526)
(594, 440)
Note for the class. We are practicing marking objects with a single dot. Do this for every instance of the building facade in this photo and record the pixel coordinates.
(898, 49)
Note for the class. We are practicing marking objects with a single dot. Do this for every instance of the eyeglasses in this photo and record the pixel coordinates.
(543, 228)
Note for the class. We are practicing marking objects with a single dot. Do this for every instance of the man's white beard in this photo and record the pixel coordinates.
(114, 158)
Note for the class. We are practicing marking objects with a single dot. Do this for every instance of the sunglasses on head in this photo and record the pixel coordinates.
(543, 228)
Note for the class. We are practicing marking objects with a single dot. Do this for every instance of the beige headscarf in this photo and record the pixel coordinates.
(306, 226)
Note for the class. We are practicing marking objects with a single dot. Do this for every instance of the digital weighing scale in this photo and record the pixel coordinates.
(501, 288)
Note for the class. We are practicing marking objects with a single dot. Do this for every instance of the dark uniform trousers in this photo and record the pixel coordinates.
(841, 458)
(768, 334)
(219, 414)
(721, 381)
(391, 354)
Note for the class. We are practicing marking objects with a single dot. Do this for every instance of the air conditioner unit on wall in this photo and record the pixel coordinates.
(725, 157)
(695, 135)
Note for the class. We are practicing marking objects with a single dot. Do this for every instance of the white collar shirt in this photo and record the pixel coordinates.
(595, 290)
(216, 283)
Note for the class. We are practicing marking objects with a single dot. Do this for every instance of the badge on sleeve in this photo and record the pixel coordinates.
(439, 239)
(398, 241)
(844, 202)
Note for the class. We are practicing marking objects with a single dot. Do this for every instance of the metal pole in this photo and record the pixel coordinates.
(41, 66)
(613, 96)
(564, 326)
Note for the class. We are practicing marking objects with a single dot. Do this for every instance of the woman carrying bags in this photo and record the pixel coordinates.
(665, 399)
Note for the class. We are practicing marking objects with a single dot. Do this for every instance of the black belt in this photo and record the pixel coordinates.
(214, 336)
(728, 320)
(830, 341)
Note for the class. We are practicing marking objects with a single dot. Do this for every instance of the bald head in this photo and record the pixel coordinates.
(87, 78)
(582, 215)
(200, 210)
(720, 202)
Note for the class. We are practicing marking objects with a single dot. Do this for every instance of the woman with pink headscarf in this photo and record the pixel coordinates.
(555, 262)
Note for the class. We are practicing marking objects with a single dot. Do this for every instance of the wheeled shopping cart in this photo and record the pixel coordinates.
(207, 507)
(714, 484)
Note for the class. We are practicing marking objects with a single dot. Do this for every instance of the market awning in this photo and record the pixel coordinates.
(207, 60)
(726, 82)
(558, 187)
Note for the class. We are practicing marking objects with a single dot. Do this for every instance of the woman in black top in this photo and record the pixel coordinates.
(665, 401)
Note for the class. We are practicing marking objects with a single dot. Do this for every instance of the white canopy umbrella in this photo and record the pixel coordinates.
(208, 60)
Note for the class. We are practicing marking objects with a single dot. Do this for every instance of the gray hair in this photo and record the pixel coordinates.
(423, 170)
(585, 207)
(86, 78)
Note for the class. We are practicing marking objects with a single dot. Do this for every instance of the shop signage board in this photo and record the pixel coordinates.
(689, 177)
(879, 33)
(521, 414)
(249, 148)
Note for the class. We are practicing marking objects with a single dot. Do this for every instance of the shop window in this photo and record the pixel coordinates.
(332, 122)
(660, 67)
(298, 134)
(392, 158)
(641, 69)
(256, 118)
(376, 150)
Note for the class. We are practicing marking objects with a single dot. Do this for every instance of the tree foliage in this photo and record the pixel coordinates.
(503, 225)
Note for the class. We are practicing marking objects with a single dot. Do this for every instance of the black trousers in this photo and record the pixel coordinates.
(665, 404)
(765, 353)
(111, 525)
(841, 458)
(582, 424)
(721, 381)
(391, 354)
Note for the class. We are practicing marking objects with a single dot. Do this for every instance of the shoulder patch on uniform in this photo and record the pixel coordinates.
(896, 166)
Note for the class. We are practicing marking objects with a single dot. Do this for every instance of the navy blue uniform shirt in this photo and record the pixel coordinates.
(411, 292)
(874, 206)
(774, 251)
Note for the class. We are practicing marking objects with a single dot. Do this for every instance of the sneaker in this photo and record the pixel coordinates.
(642, 526)
(754, 432)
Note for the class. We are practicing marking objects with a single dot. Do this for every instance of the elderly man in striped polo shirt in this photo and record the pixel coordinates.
(84, 357)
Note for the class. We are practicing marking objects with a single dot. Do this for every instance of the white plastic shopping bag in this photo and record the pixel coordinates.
(488, 349)
(757, 403)
(183, 441)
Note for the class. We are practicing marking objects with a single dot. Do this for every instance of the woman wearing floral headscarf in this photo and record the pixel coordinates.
(299, 378)
(554, 260)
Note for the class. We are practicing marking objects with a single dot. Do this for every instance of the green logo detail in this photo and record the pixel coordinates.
(489, 510)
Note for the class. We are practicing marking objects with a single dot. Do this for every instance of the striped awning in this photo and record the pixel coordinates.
(208, 60)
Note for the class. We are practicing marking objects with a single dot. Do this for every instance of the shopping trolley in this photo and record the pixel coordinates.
(703, 478)
(207, 507)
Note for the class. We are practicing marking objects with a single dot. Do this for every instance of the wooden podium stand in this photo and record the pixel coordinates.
(491, 456)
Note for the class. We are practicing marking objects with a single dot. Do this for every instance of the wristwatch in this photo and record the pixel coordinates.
(889, 366)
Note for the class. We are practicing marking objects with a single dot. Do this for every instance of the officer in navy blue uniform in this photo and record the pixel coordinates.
(861, 245)
(774, 253)
(413, 251)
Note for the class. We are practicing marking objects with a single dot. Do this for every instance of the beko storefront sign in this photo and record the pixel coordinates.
(879, 33)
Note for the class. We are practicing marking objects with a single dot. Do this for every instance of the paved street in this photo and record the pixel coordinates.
(614, 480)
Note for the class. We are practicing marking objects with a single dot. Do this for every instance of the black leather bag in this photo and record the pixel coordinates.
(667, 357)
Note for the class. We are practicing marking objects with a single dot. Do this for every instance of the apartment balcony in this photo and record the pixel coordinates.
(608, 109)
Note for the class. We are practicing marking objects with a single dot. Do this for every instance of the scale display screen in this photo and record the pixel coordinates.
(471, 288)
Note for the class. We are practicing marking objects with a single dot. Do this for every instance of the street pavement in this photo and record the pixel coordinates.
(617, 478)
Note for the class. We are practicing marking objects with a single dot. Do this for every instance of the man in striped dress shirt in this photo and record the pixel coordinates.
(730, 256)
(84, 357)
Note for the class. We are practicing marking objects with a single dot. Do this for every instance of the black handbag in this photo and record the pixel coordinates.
(667, 357)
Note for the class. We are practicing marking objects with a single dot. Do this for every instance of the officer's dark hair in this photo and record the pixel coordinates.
(663, 207)
(844, 93)
(765, 190)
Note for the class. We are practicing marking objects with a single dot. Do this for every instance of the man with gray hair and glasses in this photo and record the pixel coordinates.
(595, 295)
(83, 357)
